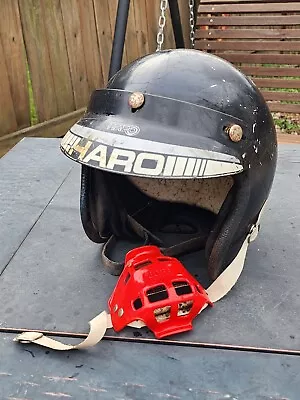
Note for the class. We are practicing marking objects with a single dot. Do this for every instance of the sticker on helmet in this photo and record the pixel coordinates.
(129, 130)
(143, 163)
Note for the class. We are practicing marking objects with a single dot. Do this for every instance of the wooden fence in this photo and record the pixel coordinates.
(53, 53)
(262, 37)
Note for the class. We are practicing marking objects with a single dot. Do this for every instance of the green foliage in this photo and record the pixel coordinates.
(287, 124)
(33, 113)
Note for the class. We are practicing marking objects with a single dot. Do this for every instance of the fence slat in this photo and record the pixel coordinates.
(104, 34)
(278, 83)
(237, 2)
(58, 56)
(185, 18)
(38, 58)
(264, 45)
(285, 108)
(270, 71)
(15, 57)
(90, 43)
(77, 65)
(283, 96)
(248, 34)
(252, 21)
(131, 36)
(250, 8)
(169, 35)
(152, 9)
(141, 26)
(8, 121)
(261, 58)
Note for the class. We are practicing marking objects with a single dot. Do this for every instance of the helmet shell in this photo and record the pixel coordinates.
(191, 102)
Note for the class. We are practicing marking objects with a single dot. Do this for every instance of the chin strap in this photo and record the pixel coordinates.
(98, 325)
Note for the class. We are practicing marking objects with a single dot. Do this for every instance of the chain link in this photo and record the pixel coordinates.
(192, 23)
(161, 24)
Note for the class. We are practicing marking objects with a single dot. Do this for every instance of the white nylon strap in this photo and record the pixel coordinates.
(98, 326)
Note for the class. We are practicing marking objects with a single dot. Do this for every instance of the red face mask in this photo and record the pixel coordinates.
(157, 290)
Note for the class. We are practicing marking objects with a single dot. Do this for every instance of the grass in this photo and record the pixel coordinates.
(33, 112)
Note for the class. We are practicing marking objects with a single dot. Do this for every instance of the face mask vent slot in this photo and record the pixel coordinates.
(182, 287)
(137, 304)
(157, 293)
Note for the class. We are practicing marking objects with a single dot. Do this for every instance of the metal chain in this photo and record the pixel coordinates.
(192, 23)
(161, 24)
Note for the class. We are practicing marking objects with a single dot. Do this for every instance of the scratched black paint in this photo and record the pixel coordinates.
(190, 97)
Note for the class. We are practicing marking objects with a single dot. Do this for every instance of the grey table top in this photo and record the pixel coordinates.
(137, 371)
(51, 279)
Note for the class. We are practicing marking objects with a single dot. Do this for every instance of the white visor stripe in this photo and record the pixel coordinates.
(134, 143)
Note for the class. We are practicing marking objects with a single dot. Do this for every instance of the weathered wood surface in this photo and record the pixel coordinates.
(250, 33)
(280, 7)
(257, 20)
(8, 120)
(58, 55)
(91, 50)
(39, 61)
(56, 127)
(261, 58)
(11, 36)
(77, 61)
(141, 26)
(238, 2)
(263, 45)
(60, 51)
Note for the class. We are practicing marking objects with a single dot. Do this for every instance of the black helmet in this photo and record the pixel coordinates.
(179, 142)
